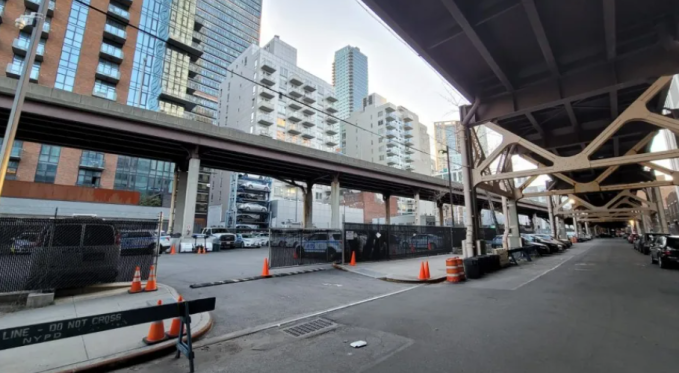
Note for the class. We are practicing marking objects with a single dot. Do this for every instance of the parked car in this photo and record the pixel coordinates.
(541, 248)
(166, 243)
(665, 251)
(229, 241)
(252, 196)
(75, 252)
(496, 243)
(247, 217)
(645, 241)
(247, 226)
(250, 240)
(255, 207)
(632, 237)
(132, 240)
(553, 247)
(322, 245)
(23, 243)
(547, 239)
(263, 238)
(422, 242)
(253, 185)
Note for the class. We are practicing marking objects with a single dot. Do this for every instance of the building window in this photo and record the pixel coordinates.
(12, 168)
(379, 113)
(144, 175)
(104, 90)
(92, 159)
(70, 53)
(89, 178)
(47, 164)
(380, 122)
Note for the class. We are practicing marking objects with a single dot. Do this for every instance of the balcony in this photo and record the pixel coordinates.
(390, 109)
(408, 126)
(188, 115)
(201, 110)
(35, 4)
(294, 92)
(118, 13)
(410, 159)
(265, 120)
(330, 109)
(331, 131)
(198, 22)
(265, 133)
(105, 93)
(107, 74)
(177, 97)
(308, 111)
(391, 144)
(407, 117)
(192, 86)
(393, 160)
(197, 36)
(410, 151)
(125, 3)
(265, 106)
(185, 43)
(308, 134)
(14, 71)
(294, 105)
(265, 93)
(267, 79)
(391, 134)
(114, 34)
(111, 53)
(94, 163)
(294, 117)
(391, 126)
(331, 98)
(390, 118)
(410, 167)
(391, 151)
(409, 142)
(194, 70)
(309, 86)
(295, 81)
(408, 134)
(308, 99)
(268, 66)
(330, 120)
(308, 122)
(330, 141)
(20, 47)
(29, 27)
(294, 129)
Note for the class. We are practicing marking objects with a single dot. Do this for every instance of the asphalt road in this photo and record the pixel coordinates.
(604, 308)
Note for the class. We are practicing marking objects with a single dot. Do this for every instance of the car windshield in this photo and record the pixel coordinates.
(246, 235)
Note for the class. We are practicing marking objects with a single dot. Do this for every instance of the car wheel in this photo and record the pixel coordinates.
(661, 263)
(652, 260)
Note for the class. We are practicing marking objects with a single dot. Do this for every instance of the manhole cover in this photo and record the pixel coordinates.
(309, 327)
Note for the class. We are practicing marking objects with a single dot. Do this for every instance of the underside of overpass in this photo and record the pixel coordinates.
(578, 88)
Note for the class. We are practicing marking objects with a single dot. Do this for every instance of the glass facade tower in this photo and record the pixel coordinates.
(350, 78)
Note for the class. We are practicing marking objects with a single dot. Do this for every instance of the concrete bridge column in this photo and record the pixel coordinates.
(185, 204)
(439, 205)
(512, 220)
(576, 226)
(308, 207)
(335, 203)
(387, 208)
(662, 219)
(550, 211)
(587, 228)
(417, 208)
(562, 228)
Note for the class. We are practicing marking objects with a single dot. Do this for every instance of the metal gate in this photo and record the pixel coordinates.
(294, 247)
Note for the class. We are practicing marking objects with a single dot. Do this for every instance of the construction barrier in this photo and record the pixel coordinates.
(454, 270)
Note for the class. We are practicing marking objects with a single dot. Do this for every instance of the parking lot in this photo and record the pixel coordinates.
(599, 307)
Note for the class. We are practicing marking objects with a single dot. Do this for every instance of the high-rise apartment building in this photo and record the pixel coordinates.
(269, 95)
(350, 78)
(174, 63)
(446, 134)
(388, 134)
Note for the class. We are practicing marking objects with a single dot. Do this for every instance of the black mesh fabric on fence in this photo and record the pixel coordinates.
(373, 242)
(292, 247)
(38, 254)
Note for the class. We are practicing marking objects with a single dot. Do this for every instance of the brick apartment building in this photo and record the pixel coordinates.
(116, 50)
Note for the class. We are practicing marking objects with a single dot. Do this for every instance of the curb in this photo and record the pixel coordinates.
(246, 279)
(396, 280)
(146, 354)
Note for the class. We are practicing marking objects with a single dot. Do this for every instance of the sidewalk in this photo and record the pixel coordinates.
(402, 270)
(91, 350)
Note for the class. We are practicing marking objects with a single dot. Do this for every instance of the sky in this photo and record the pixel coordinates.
(317, 28)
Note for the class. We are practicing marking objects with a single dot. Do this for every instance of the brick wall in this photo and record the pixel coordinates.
(69, 164)
(109, 173)
(53, 45)
(29, 161)
(373, 206)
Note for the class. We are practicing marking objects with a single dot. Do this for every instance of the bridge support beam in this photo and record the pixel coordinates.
(335, 203)
(469, 196)
(512, 220)
(439, 206)
(387, 208)
(550, 211)
(587, 228)
(662, 219)
(561, 225)
(417, 208)
(308, 207)
(185, 204)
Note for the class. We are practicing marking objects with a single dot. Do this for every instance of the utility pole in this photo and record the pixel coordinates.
(38, 20)
(450, 193)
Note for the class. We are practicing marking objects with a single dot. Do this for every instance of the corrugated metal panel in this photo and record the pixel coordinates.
(23, 189)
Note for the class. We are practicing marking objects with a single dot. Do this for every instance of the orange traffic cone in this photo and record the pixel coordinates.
(176, 323)
(426, 269)
(151, 284)
(423, 275)
(173, 250)
(156, 332)
(353, 259)
(265, 268)
(136, 282)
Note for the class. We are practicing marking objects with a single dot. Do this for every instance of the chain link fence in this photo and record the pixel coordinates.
(40, 254)
(372, 242)
(293, 247)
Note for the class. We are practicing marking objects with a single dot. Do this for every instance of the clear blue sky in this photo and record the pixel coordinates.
(317, 28)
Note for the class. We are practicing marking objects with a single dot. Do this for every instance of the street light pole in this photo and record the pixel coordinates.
(450, 193)
(15, 114)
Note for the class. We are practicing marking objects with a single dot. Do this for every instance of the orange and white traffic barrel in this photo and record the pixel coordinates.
(452, 274)
(460, 269)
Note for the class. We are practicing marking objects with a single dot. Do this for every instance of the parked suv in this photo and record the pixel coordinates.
(645, 241)
(74, 252)
(665, 251)
(322, 245)
(142, 241)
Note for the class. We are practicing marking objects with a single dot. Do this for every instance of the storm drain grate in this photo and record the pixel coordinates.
(313, 326)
